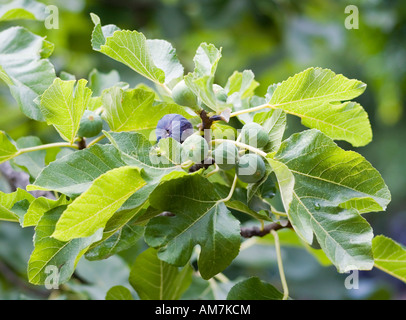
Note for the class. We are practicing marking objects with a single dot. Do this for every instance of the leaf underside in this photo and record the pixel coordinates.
(323, 189)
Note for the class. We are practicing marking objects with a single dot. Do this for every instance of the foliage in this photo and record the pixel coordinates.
(124, 185)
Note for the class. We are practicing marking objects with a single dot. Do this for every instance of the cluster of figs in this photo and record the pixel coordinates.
(249, 167)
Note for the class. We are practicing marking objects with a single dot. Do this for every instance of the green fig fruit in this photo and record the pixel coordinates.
(226, 155)
(250, 168)
(183, 96)
(91, 124)
(195, 148)
(254, 135)
(220, 93)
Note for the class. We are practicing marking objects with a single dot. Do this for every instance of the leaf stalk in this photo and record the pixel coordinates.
(280, 265)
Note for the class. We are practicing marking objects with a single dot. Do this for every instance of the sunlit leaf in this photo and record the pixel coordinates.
(75, 172)
(242, 84)
(316, 95)
(39, 206)
(7, 149)
(201, 80)
(164, 56)
(63, 105)
(135, 110)
(390, 256)
(93, 208)
(274, 122)
(7, 202)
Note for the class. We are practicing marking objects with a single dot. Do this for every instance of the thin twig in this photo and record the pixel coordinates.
(215, 170)
(248, 232)
(280, 266)
(15, 280)
(43, 147)
(262, 106)
(206, 163)
(278, 213)
(242, 145)
(206, 120)
(46, 146)
(82, 143)
(222, 278)
(96, 140)
(230, 194)
(165, 87)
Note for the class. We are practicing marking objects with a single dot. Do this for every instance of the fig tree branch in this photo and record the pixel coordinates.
(248, 232)
(206, 121)
(18, 282)
(44, 147)
(96, 140)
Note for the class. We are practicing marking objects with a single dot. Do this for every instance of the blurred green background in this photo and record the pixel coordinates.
(275, 39)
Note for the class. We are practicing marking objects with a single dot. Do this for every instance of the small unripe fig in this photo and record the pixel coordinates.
(175, 126)
(254, 135)
(220, 93)
(250, 168)
(195, 148)
(226, 155)
(183, 96)
(91, 124)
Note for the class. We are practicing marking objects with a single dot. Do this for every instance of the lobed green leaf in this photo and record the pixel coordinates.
(325, 177)
(315, 95)
(63, 105)
(154, 59)
(200, 218)
(135, 110)
(201, 80)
